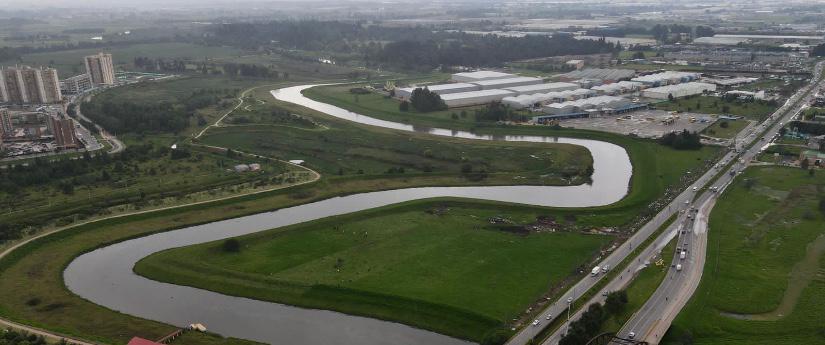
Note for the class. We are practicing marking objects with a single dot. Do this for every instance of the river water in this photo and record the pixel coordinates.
(105, 276)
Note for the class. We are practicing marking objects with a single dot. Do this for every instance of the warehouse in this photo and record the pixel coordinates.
(441, 89)
(538, 88)
(666, 78)
(531, 100)
(468, 77)
(592, 105)
(606, 75)
(507, 82)
(678, 90)
(463, 99)
(618, 88)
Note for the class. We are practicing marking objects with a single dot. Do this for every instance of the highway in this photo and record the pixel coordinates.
(654, 318)
(684, 200)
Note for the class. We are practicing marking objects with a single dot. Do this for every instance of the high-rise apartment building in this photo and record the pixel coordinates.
(6, 127)
(63, 131)
(100, 69)
(26, 85)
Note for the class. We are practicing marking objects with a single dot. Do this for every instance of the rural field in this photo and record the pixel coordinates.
(439, 265)
(763, 278)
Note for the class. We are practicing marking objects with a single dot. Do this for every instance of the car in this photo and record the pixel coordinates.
(536, 322)
(549, 316)
(695, 188)
(604, 294)
(569, 299)
(631, 335)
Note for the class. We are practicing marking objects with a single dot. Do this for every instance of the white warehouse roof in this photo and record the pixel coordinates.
(678, 90)
(669, 76)
(529, 89)
(460, 99)
(480, 75)
(507, 82)
(440, 88)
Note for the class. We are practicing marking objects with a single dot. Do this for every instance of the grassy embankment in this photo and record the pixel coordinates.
(655, 167)
(764, 263)
(728, 131)
(436, 265)
(640, 290)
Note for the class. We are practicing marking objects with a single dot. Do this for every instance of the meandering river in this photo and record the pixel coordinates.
(105, 276)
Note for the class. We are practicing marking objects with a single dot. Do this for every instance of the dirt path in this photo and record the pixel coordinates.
(801, 275)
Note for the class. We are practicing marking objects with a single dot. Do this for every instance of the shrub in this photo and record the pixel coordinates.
(231, 246)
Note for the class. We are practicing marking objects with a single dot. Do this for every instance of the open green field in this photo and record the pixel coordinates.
(346, 151)
(764, 264)
(375, 103)
(755, 110)
(728, 131)
(435, 265)
(70, 62)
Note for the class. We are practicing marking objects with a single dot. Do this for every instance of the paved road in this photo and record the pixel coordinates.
(113, 141)
(791, 107)
(654, 318)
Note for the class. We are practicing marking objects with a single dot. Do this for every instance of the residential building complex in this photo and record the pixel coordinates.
(26, 85)
(76, 84)
(100, 69)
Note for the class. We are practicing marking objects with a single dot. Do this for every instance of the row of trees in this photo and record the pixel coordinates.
(160, 64)
(475, 50)
(251, 70)
(684, 140)
(589, 324)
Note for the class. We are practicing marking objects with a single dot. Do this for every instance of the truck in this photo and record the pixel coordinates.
(595, 271)
(682, 255)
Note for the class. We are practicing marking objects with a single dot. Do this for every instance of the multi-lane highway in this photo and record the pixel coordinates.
(654, 318)
(558, 308)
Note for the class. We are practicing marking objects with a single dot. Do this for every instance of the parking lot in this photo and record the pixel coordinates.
(646, 123)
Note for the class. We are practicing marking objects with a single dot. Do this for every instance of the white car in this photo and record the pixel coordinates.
(631, 335)
(695, 188)
(549, 316)
(536, 322)
(569, 299)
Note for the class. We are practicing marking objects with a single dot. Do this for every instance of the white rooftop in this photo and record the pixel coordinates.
(483, 75)
(441, 87)
(540, 87)
(470, 94)
(506, 81)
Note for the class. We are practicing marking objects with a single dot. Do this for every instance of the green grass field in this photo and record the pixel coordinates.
(378, 105)
(733, 128)
(436, 265)
(715, 105)
(765, 259)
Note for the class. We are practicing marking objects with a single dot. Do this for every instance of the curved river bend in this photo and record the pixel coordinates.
(105, 276)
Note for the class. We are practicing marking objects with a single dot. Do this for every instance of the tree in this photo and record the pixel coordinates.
(804, 164)
(704, 31)
(404, 106)
(231, 246)
(424, 100)
(724, 124)
(670, 97)
(822, 205)
(616, 301)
